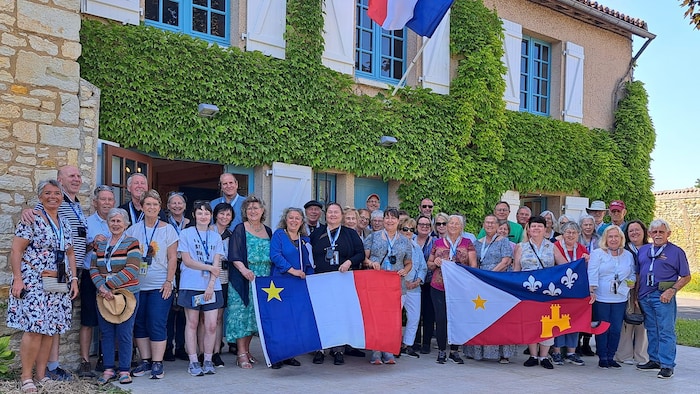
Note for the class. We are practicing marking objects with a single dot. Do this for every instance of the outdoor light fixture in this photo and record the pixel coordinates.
(207, 110)
(387, 140)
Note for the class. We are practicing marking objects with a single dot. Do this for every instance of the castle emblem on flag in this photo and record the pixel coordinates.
(554, 320)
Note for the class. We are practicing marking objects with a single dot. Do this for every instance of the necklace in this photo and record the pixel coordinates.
(258, 228)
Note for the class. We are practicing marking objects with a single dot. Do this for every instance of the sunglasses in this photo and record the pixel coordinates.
(441, 224)
(427, 206)
(411, 229)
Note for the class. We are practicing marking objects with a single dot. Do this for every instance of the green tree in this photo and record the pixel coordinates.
(691, 14)
(697, 182)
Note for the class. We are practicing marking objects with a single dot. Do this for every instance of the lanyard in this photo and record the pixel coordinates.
(566, 252)
(133, 213)
(453, 246)
(57, 230)
(654, 255)
(178, 226)
(333, 240)
(110, 251)
(633, 248)
(148, 242)
(204, 243)
(486, 246)
(78, 213)
(390, 242)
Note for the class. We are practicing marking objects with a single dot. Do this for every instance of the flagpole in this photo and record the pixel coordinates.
(410, 67)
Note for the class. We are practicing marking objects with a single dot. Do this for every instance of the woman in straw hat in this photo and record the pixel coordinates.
(114, 270)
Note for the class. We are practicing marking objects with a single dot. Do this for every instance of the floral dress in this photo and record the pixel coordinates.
(240, 321)
(40, 312)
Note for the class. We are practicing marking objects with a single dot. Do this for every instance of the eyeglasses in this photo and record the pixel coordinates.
(441, 223)
(364, 218)
(411, 229)
(427, 206)
(424, 224)
(615, 211)
(657, 232)
(103, 188)
(175, 194)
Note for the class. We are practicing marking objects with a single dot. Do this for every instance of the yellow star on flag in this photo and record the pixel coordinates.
(273, 292)
(478, 302)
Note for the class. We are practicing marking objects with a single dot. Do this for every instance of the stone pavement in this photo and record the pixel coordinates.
(421, 375)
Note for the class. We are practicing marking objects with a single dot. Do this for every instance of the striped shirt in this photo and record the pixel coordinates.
(73, 213)
(124, 262)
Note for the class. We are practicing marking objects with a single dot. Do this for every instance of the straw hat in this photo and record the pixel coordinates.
(120, 308)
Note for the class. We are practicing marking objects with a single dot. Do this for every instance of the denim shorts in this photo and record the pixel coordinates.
(184, 299)
(152, 316)
(88, 300)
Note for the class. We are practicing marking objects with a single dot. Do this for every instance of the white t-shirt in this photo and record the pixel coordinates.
(193, 242)
(160, 240)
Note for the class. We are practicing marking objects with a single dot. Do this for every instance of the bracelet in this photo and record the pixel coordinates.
(74, 279)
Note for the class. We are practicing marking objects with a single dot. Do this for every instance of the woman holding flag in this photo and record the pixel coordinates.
(453, 247)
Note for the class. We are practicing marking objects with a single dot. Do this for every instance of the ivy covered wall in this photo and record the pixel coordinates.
(463, 149)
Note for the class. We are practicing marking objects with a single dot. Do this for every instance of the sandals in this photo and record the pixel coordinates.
(252, 359)
(107, 376)
(43, 381)
(28, 386)
(243, 361)
(124, 377)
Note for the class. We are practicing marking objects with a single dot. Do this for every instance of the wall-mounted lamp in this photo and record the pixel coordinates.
(207, 110)
(387, 140)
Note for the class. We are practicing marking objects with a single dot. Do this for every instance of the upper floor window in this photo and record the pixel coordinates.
(379, 53)
(535, 62)
(205, 19)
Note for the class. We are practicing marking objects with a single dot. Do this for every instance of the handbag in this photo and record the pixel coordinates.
(52, 285)
(633, 315)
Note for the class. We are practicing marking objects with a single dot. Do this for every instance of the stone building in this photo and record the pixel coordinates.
(681, 209)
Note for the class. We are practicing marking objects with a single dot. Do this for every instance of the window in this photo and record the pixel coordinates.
(205, 19)
(535, 61)
(379, 53)
(325, 187)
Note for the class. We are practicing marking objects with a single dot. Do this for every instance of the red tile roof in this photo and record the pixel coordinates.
(617, 14)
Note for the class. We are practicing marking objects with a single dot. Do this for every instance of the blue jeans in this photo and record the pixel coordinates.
(613, 313)
(570, 341)
(660, 322)
(152, 316)
(122, 334)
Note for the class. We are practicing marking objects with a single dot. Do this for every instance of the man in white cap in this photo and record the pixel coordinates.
(598, 210)
(373, 202)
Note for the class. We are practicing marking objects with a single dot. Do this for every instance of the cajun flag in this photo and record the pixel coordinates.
(501, 308)
(358, 308)
(421, 16)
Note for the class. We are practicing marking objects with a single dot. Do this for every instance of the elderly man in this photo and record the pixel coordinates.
(523, 214)
(617, 213)
(229, 195)
(426, 207)
(97, 231)
(373, 202)
(598, 210)
(136, 185)
(502, 210)
(313, 210)
(663, 271)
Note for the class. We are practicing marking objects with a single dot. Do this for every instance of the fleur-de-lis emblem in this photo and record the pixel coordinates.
(569, 279)
(552, 290)
(532, 284)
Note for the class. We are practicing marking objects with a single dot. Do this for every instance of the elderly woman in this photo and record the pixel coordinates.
(494, 253)
(566, 250)
(389, 251)
(424, 239)
(335, 248)
(589, 237)
(536, 253)
(351, 218)
(248, 256)
(611, 275)
(41, 249)
(158, 247)
(289, 253)
(414, 279)
(115, 265)
(504, 230)
(453, 247)
(200, 288)
(550, 232)
(363, 219)
(376, 220)
(441, 224)
(632, 348)
(223, 216)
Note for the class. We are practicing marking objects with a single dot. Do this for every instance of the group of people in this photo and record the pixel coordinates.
(140, 268)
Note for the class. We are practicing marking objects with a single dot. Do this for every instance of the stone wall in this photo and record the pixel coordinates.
(681, 209)
(48, 117)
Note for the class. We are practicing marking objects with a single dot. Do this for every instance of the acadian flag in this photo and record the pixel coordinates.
(358, 308)
(421, 16)
(502, 308)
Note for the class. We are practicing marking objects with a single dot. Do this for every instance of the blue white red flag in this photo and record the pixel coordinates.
(502, 308)
(421, 16)
(358, 308)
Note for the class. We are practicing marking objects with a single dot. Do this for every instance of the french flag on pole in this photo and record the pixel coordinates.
(421, 16)
(358, 308)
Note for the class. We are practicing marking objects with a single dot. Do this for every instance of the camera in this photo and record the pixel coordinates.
(392, 260)
(61, 266)
(82, 232)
